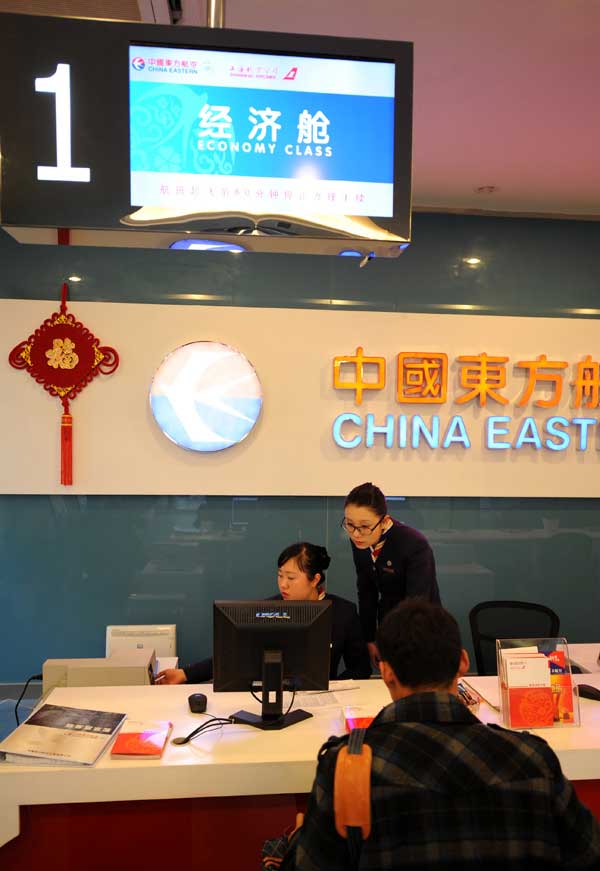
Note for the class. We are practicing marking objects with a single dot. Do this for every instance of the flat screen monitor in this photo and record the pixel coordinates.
(252, 134)
(261, 133)
(270, 646)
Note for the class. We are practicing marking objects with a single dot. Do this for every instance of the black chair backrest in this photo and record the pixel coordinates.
(507, 619)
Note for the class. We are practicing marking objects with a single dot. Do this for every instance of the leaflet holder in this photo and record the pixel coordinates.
(535, 683)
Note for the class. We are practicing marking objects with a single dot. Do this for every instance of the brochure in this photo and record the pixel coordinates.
(562, 687)
(528, 690)
(358, 716)
(535, 684)
(141, 739)
(61, 736)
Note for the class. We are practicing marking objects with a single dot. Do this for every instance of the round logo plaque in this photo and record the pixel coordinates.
(206, 396)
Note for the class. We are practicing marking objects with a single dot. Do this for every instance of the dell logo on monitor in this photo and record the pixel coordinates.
(273, 615)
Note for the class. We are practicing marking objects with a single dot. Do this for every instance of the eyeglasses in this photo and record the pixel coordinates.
(362, 530)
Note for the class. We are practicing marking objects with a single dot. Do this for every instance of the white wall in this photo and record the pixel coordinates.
(118, 448)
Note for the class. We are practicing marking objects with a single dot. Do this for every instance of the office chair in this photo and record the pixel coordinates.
(507, 619)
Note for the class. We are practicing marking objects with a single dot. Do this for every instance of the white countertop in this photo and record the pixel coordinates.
(586, 656)
(236, 760)
(577, 747)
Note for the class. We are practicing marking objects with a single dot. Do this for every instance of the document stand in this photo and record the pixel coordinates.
(535, 683)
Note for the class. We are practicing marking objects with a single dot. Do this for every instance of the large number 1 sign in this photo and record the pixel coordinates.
(59, 84)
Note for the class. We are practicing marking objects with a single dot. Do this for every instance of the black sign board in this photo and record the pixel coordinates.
(65, 112)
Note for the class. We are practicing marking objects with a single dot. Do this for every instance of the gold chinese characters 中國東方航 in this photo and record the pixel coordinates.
(423, 378)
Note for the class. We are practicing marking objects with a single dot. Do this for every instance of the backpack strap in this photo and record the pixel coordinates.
(352, 792)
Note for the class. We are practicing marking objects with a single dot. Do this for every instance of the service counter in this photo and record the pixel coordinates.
(212, 802)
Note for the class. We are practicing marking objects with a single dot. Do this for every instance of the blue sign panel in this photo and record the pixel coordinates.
(216, 131)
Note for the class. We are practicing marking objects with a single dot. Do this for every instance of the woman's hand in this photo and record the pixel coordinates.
(171, 676)
(374, 654)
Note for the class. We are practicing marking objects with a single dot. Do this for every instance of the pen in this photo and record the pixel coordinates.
(341, 690)
(466, 696)
(491, 705)
(483, 698)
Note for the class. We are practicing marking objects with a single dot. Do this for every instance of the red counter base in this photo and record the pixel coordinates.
(588, 791)
(195, 833)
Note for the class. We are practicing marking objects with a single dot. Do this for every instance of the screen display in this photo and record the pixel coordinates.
(281, 138)
(217, 131)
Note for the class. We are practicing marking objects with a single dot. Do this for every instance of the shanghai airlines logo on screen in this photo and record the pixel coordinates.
(206, 396)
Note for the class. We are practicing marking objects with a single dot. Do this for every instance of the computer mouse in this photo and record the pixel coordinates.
(588, 692)
(197, 703)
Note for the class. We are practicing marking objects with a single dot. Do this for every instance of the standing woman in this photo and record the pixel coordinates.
(393, 561)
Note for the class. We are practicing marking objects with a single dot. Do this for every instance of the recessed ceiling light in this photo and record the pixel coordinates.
(472, 261)
(206, 245)
(74, 278)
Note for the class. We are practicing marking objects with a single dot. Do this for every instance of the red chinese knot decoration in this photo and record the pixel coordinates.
(64, 356)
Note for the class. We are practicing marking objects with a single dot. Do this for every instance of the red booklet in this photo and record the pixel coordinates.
(141, 739)
(358, 717)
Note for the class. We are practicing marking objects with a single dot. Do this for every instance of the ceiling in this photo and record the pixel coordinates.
(506, 108)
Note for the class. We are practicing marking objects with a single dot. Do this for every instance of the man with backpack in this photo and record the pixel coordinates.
(428, 786)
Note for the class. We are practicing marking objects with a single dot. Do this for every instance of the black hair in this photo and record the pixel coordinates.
(367, 496)
(421, 642)
(312, 559)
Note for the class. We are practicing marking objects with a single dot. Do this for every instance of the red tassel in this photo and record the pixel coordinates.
(66, 449)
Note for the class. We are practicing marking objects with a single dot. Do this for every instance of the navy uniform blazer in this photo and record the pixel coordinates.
(347, 642)
(405, 568)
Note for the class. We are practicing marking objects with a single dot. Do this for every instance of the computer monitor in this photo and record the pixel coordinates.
(271, 646)
(270, 141)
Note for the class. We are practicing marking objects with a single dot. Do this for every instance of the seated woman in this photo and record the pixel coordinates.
(301, 578)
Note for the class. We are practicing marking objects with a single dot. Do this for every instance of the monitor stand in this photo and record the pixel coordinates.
(272, 716)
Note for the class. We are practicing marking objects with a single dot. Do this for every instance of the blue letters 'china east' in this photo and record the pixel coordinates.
(206, 396)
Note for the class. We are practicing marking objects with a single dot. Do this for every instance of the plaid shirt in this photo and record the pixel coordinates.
(448, 792)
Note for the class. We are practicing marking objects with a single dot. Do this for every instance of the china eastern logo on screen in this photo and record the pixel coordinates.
(206, 396)
(138, 63)
(477, 381)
